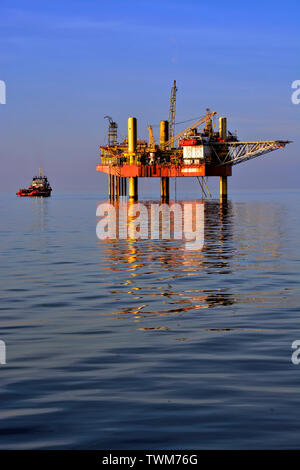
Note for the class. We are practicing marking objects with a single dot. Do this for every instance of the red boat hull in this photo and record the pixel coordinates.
(33, 193)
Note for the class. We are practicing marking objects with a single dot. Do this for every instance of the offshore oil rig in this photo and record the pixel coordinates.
(197, 151)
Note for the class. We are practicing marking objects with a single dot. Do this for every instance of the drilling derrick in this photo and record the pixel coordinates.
(172, 110)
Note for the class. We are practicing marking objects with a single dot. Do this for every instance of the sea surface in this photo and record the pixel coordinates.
(144, 343)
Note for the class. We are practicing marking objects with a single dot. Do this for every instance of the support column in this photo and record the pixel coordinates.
(116, 187)
(109, 187)
(123, 185)
(167, 188)
(132, 147)
(136, 186)
(133, 187)
(164, 188)
(112, 182)
(223, 188)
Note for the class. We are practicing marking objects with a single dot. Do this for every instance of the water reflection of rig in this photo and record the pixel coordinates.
(198, 151)
(168, 261)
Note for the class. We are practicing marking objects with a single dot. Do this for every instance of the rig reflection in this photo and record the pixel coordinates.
(162, 276)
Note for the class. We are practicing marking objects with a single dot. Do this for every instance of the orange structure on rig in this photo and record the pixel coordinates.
(201, 152)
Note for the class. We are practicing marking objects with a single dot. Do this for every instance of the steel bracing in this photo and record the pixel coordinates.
(238, 152)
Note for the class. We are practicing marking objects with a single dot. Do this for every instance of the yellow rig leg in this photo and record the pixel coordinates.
(223, 188)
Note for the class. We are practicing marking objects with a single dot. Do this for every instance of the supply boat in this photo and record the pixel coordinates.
(40, 187)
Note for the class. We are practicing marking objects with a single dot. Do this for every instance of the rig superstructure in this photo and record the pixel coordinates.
(200, 152)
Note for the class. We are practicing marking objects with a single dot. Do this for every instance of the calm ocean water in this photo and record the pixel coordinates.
(144, 344)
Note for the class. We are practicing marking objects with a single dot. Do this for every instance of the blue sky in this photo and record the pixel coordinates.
(67, 64)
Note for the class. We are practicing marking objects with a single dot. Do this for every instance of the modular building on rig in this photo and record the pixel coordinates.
(200, 152)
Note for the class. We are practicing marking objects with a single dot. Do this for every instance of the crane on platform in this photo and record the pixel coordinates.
(205, 119)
